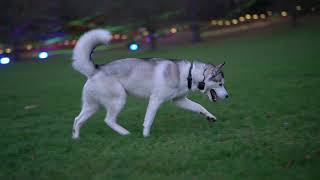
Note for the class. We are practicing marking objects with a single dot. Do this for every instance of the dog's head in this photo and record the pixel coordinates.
(214, 82)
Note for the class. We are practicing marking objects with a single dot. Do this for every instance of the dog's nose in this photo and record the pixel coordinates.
(227, 96)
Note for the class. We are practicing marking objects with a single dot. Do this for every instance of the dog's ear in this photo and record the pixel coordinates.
(220, 66)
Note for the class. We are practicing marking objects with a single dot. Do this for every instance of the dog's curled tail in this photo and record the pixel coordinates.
(84, 47)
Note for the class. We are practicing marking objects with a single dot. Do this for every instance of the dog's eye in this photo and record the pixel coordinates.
(220, 84)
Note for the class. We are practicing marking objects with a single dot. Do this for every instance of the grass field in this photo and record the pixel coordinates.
(269, 128)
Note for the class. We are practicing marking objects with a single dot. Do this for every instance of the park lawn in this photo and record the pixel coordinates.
(269, 128)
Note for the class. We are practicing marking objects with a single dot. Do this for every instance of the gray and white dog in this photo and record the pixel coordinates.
(158, 79)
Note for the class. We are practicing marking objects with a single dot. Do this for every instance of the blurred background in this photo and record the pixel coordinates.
(36, 29)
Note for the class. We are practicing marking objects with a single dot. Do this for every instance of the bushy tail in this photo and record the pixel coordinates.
(82, 50)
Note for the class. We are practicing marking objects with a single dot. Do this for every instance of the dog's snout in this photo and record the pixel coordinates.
(226, 96)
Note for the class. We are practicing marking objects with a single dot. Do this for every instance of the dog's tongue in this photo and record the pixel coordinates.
(213, 95)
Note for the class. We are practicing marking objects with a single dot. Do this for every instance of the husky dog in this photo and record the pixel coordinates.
(157, 79)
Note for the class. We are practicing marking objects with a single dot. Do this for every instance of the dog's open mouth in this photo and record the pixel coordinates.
(213, 95)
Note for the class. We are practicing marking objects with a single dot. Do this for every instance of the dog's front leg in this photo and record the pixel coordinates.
(154, 104)
(186, 103)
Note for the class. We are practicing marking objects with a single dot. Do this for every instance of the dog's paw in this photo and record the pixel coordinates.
(211, 119)
(146, 132)
(75, 137)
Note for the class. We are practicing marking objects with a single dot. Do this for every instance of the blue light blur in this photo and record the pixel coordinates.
(43, 55)
(134, 47)
(4, 60)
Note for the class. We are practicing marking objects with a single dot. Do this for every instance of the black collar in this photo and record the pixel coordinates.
(190, 76)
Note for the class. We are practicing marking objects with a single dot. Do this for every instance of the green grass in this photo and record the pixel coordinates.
(268, 129)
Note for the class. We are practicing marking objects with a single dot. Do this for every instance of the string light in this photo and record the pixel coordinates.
(284, 13)
(248, 16)
(8, 50)
(242, 19)
(263, 16)
(173, 30)
(28, 47)
(124, 37)
(234, 21)
(116, 36)
(145, 33)
(214, 22)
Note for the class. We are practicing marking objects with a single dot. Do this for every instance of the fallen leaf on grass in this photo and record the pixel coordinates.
(31, 106)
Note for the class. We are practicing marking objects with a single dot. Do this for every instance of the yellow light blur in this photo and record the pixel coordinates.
(124, 37)
(248, 16)
(1, 51)
(145, 33)
(284, 13)
(28, 46)
(220, 22)
(227, 23)
(173, 30)
(8, 50)
(298, 8)
(241, 19)
(269, 13)
(234, 21)
(255, 16)
(263, 16)
(214, 22)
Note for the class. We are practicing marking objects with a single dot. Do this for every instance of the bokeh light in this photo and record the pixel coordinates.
(220, 22)
(29, 47)
(5, 60)
(124, 37)
(173, 30)
(134, 47)
(116, 36)
(8, 50)
(43, 55)
(145, 33)
(214, 22)
(263, 16)
(234, 21)
(284, 13)
(242, 19)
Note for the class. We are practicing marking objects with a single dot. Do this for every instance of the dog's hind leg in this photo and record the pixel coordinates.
(88, 109)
